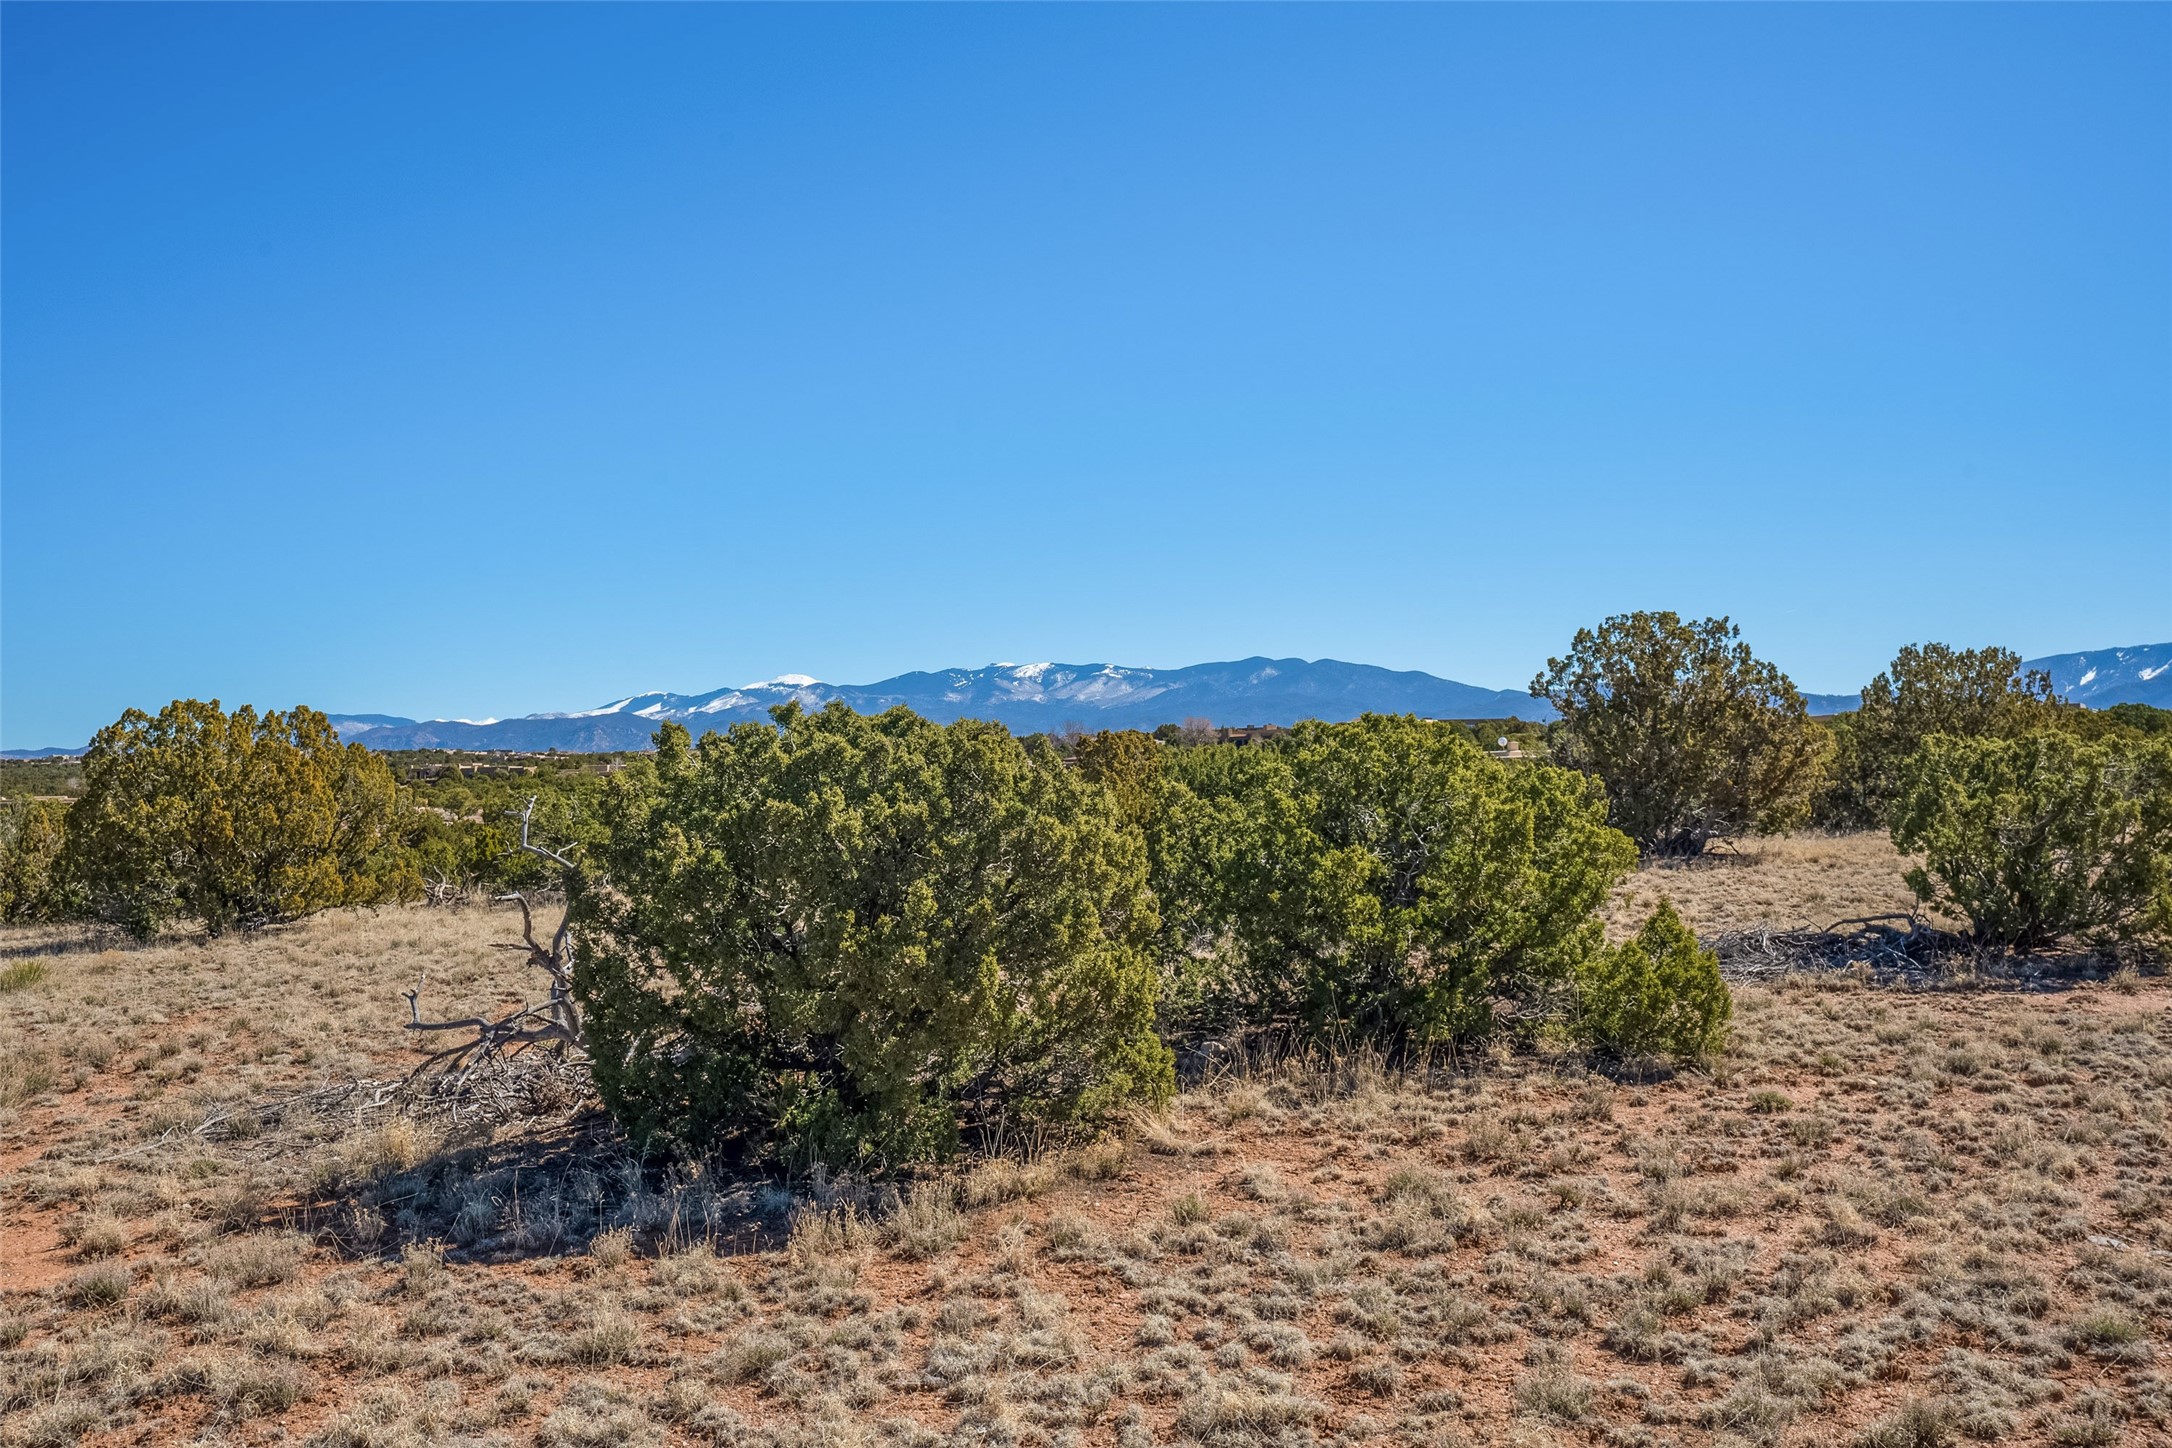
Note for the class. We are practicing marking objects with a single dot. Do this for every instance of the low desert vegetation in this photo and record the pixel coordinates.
(911, 1082)
(872, 942)
(1879, 1212)
(1657, 994)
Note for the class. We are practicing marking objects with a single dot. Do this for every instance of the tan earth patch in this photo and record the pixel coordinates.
(1793, 882)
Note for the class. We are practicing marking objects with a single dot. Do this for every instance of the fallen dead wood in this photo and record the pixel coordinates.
(504, 1089)
(1873, 944)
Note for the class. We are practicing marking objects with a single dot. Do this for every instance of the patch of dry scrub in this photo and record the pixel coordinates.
(1890, 1218)
(1797, 882)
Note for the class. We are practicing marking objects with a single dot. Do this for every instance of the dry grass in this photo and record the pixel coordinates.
(1889, 1218)
(1797, 882)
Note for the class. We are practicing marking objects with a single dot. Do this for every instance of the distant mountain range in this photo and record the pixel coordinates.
(1025, 697)
(2140, 675)
(1030, 697)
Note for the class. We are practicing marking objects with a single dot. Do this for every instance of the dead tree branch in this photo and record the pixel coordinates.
(534, 849)
(555, 1024)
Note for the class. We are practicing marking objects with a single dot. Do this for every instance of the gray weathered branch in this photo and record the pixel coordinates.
(555, 1023)
(534, 849)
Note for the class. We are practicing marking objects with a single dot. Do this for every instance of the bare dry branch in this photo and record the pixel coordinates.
(535, 849)
(556, 1023)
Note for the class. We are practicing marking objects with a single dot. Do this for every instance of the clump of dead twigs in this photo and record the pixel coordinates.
(1895, 949)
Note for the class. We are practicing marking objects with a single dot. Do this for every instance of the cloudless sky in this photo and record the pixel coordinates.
(471, 361)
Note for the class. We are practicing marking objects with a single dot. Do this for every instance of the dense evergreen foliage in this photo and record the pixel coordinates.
(2041, 837)
(1382, 880)
(2139, 718)
(849, 939)
(1694, 736)
(464, 828)
(230, 819)
(1928, 689)
(32, 889)
(1659, 994)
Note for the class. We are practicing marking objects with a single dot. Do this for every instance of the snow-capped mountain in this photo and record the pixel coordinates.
(1025, 697)
(2138, 675)
(353, 726)
(1029, 697)
(2098, 680)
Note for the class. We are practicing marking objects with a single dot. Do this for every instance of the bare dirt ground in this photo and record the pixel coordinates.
(1887, 1217)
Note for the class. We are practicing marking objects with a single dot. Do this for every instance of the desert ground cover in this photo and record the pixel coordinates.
(1797, 882)
(1885, 1217)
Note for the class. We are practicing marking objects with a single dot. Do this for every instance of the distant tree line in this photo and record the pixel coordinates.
(2035, 820)
(244, 820)
(862, 940)
(230, 820)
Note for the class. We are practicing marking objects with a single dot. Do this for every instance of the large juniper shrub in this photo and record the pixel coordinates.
(854, 939)
(32, 836)
(1381, 881)
(1693, 735)
(2042, 837)
(240, 819)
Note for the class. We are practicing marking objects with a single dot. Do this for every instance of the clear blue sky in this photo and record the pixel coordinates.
(478, 360)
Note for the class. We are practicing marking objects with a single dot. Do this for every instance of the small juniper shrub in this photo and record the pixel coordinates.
(1659, 994)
